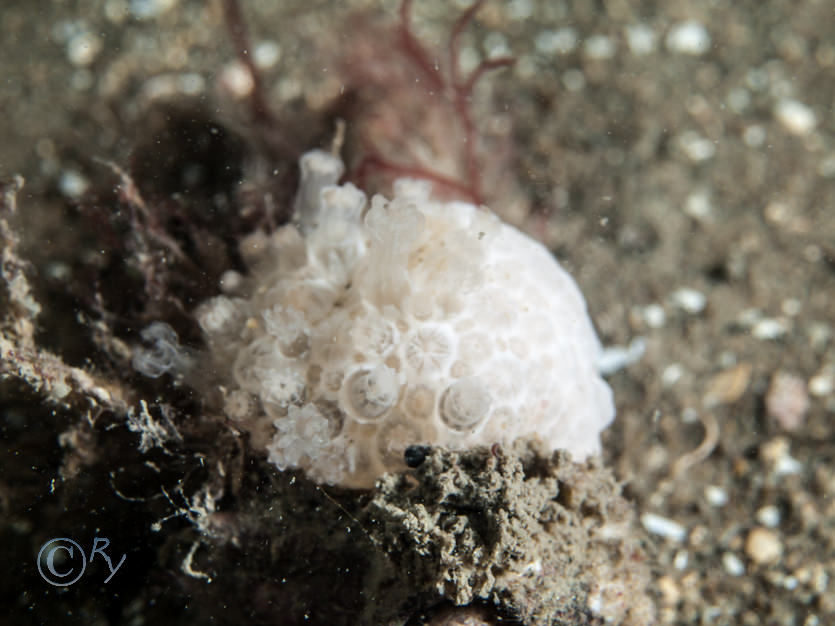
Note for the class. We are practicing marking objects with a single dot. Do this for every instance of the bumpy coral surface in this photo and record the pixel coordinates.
(367, 327)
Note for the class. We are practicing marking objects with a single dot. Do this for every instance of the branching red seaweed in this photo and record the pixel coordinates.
(429, 106)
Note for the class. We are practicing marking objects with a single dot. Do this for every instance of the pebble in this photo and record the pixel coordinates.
(768, 516)
(59, 271)
(748, 317)
(821, 385)
(738, 99)
(615, 358)
(83, 48)
(733, 564)
(690, 300)
(163, 86)
(73, 184)
(791, 307)
(496, 45)
(149, 9)
(689, 37)
(768, 328)
(698, 205)
(551, 42)
(826, 167)
(599, 47)
(654, 316)
(757, 78)
(774, 449)
(696, 147)
(236, 80)
(231, 282)
(663, 527)
(266, 54)
(754, 136)
(763, 546)
(788, 465)
(671, 374)
(670, 593)
(574, 80)
(641, 39)
(716, 496)
(795, 117)
(727, 386)
(775, 452)
(519, 9)
(787, 400)
(689, 415)
(819, 335)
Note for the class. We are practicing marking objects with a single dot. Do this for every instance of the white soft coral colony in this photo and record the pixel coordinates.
(368, 327)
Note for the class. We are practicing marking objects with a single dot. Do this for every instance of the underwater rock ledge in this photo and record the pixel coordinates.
(530, 531)
(514, 535)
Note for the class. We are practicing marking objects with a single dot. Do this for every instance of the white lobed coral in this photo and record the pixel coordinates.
(368, 327)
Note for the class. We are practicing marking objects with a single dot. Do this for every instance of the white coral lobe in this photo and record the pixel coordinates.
(370, 326)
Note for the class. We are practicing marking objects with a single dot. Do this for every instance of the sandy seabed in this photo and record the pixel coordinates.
(679, 160)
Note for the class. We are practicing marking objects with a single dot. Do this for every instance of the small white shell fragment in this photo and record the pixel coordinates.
(791, 307)
(738, 99)
(150, 9)
(689, 415)
(551, 42)
(696, 147)
(733, 564)
(790, 583)
(795, 117)
(641, 39)
(690, 300)
(655, 316)
(72, 184)
(821, 385)
(716, 496)
(698, 205)
(599, 47)
(769, 328)
(749, 317)
(689, 37)
(574, 80)
(615, 358)
(83, 48)
(788, 465)
(826, 166)
(236, 80)
(776, 453)
(663, 527)
(768, 516)
(170, 85)
(266, 54)
(671, 374)
(754, 136)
